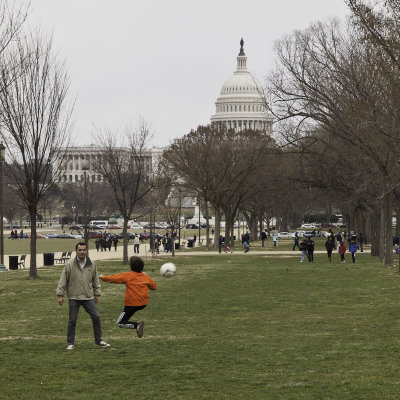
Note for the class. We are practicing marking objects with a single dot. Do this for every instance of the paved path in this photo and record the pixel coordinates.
(144, 252)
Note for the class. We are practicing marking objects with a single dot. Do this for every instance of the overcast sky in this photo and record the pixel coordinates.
(164, 60)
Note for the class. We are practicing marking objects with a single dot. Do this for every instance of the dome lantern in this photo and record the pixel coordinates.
(241, 58)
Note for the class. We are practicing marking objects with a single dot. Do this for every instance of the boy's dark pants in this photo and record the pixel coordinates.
(126, 314)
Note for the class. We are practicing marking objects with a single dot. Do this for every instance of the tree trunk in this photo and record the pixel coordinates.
(172, 241)
(33, 266)
(217, 228)
(228, 228)
(381, 238)
(207, 228)
(388, 230)
(375, 232)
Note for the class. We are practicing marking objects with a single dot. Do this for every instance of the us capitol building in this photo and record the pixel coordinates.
(241, 105)
(241, 102)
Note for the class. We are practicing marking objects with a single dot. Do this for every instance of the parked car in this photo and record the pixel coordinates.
(308, 226)
(114, 227)
(65, 236)
(95, 235)
(51, 235)
(191, 226)
(130, 235)
(284, 235)
(316, 233)
(76, 227)
(310, 234)
(40, 236)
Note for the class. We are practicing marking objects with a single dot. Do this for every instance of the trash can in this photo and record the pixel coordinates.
(48, 259)
(177, 246)
(12, 262)
(190, 243)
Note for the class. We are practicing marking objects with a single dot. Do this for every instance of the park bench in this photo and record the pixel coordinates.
(21, 263)
(68, 256)
(61, 259)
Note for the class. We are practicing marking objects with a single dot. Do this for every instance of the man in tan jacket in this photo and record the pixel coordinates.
(79, 278)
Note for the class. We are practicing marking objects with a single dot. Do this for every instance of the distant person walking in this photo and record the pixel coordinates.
(330, 245)
(136, 244)
(361, 242)
(296, 241)
(220, 241)
(342, 251)
(353, 248)
(303, 246)
(275, 239)
(310, 249)
(263, 237)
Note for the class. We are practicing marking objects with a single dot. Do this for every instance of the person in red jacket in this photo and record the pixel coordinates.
(136, 297)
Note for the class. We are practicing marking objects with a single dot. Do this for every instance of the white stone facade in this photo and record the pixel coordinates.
(83, 156)
(241, 103)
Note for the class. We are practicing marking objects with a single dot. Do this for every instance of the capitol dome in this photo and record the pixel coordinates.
(241, 103)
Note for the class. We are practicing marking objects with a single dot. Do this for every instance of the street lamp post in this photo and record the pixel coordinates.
(199, 222)
(73, 214)
(2, 159)
(85, 202)
(179, 219)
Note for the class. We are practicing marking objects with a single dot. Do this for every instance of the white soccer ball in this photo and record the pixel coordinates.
(168, 269)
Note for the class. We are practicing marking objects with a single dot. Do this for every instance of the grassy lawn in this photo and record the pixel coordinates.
(225, 327)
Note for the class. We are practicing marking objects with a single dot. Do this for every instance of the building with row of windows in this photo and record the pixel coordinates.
(79, 161)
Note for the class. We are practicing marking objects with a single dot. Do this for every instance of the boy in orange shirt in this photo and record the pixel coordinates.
(136, 297)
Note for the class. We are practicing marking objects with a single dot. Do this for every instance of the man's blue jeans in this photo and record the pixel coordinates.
(91, 309)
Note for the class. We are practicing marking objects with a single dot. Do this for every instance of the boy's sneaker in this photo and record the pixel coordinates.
(70, 347)
(103, 344)
(139, 329)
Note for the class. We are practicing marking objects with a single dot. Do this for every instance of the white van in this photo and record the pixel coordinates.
(134, 224)
(98, 224)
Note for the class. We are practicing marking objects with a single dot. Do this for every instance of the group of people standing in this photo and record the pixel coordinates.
(106, 242)
(14, 234)
(306, 247)
(330, 245)
(338, 242)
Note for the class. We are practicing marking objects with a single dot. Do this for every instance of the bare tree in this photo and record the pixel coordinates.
(331, 77)
(34, 121)
(124, 167)
(218, 165)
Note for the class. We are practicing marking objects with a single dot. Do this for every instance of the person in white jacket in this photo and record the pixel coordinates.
(136, 243)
